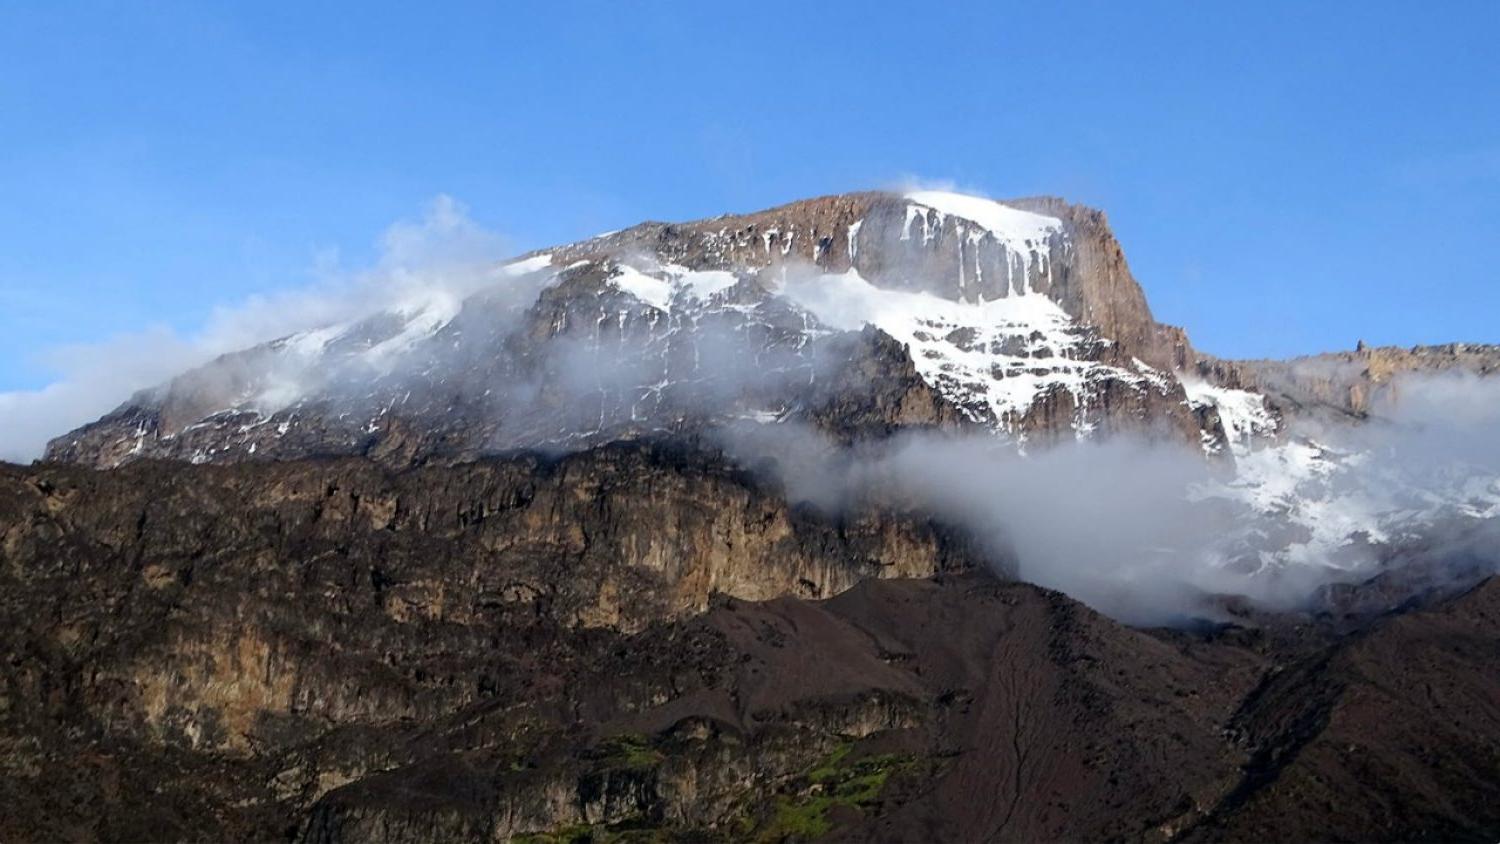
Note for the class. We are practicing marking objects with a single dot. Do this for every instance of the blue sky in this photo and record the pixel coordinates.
(1285, 178)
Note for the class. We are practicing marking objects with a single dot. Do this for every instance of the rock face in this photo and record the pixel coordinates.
(1374, 737)
(1019, 317)
(625, 534)
(331, 651)
(195, 618)
(902, 242)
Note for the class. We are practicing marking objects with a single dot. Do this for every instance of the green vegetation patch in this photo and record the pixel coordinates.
(629, 750)
(835, 781)
(575, 834)
(621, 833)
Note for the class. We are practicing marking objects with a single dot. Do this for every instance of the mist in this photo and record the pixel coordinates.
(1152, 533)
(443, 253)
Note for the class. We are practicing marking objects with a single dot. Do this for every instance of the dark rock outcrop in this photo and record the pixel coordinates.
(332, 651)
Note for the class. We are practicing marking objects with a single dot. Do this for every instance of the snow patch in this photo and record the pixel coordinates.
(1019, 230)
(659, 286)
(311, 343)
(705, 283)
(994, 358)
(656, 292)
(1244, 414)
(535, 263)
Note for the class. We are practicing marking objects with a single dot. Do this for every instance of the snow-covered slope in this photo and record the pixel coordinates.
(994, 359)
(978, 292)
(1023, 234)
(1349, 497)
(1244, 416)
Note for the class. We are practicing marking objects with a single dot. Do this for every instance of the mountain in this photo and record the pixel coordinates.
(857, 316)
(1022, 318)
(868, 517)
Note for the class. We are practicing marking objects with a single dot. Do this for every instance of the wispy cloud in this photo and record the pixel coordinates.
(442, 249)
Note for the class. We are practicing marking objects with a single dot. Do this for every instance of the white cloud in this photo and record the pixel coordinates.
(443, 252)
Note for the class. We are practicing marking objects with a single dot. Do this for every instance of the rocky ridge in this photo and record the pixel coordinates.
(1347, 384)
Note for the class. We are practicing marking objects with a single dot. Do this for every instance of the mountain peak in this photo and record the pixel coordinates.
(1021, 316)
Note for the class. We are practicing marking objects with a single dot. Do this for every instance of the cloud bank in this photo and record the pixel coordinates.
(1151, 533)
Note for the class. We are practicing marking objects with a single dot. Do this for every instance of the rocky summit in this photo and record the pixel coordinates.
(872, 517)
(1020, 318)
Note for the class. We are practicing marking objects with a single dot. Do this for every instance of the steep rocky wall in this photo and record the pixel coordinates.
(1083, 268)
(615, 536)
(235, 613)
(1098, 288)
